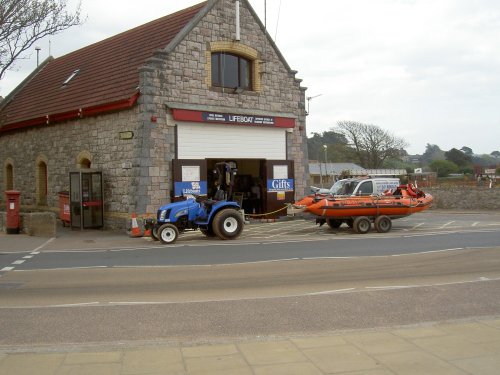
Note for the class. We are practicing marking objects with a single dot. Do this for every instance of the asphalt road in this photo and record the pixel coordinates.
(293, 281)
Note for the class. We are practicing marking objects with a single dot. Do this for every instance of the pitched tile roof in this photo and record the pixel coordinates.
(107, 76)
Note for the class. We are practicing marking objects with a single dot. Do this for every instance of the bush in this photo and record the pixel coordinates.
(443, 167)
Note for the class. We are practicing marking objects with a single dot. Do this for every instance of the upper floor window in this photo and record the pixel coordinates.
(232, 71)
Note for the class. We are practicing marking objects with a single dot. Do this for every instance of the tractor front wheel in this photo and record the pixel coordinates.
(168, 233)
(227, 224)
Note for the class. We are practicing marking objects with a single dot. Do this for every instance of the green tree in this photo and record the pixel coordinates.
(443, 167)
(336, 147)
(432, 152)
(458, 157)
(24, 22)
(496, 154)
(467, 150)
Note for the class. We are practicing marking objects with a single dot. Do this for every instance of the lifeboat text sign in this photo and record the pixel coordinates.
(237, 119)
(280, 185)
(232, 118)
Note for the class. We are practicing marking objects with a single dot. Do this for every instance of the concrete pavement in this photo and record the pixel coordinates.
(465, 347)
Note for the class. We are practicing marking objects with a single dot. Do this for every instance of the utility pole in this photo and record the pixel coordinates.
(325, 147)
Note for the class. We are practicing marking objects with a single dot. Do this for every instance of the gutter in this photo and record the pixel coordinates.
(74, 114)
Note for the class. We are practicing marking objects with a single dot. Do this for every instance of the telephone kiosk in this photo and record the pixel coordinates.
(86, 199)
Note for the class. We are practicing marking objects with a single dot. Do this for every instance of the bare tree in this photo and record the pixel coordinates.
(372, 144)
(23, 22)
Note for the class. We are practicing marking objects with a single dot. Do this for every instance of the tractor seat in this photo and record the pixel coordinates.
(219, 195)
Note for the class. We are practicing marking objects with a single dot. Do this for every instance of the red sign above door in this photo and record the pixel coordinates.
(235, 119)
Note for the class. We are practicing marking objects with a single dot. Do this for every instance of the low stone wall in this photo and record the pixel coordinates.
(40, 224)
(465, 198)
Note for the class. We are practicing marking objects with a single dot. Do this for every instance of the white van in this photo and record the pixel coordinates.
(361, 186)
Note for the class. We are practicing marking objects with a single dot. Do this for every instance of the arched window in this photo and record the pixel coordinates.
(85, 163)
(9, 177)
(84, 160)
(232, 71)
(41, 183)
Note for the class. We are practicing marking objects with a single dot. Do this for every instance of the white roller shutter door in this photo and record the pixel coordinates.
(213, 141)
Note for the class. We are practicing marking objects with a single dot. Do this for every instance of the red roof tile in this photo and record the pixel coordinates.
(108, 73)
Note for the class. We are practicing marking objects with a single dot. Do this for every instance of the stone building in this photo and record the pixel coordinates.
(154, 108)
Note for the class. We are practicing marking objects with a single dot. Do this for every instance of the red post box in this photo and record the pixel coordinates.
(12, 200)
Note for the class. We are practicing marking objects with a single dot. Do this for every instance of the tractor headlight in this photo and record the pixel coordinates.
(181, 213)
(163, 213)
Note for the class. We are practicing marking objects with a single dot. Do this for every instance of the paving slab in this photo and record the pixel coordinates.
(473, 331)
(224, 364)
(263, 353)
(487, 365)
(314, 342)
(379, 342)
(90, 369)
(334, 359)
(452, 347)
(151, 360)
(29, 364)
(418, 363)
(297, 368)
(209, 350)
(92, 357)
(419, 332)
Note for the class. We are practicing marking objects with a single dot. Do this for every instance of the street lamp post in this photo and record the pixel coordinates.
(325, 148)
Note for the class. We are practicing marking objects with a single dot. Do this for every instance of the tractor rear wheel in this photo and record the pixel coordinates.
(168, 233)
(227, 224)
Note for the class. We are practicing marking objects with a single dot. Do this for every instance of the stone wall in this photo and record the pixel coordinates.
(39, 224)
(465, 198)
(180, 76)
(61, 145)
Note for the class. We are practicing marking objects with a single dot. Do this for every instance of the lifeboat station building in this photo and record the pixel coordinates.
(141, 118)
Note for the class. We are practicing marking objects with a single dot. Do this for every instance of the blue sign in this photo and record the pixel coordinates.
(190, 187)
(280, 185)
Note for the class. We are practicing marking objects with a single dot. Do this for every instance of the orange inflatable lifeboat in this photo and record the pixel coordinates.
(360, 211)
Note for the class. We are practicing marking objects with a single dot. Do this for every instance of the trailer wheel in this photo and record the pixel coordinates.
(227, 224)
(334, 223)
(361, 224)
(383, 224)
(168, 233)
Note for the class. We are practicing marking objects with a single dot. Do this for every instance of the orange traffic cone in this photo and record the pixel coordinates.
(135, 232)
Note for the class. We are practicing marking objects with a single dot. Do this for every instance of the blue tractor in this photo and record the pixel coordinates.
(219, 216)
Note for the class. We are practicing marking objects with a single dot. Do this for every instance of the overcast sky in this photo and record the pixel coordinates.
(426, 70)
